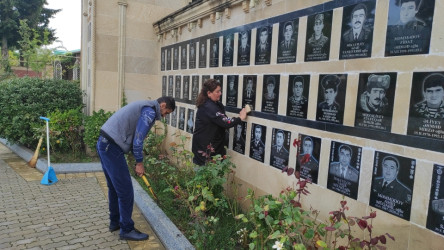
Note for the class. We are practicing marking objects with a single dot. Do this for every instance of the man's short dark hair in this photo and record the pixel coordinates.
(280, 132)
(330, 82)
(264, 29)
(433, 80)
(391, 158)
(289, 23)
(345, 147)
(298, 79)
(169, 101)
(417, 3)
(360, 6)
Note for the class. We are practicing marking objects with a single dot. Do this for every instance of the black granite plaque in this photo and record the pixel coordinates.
(174, 118)
(280, 148)
(288, 41)
(392, 184)
(219, 79)
(164, 85)
(249, 91)
(214, 52)
(263, 45)
(232, 89)
(257, 144)
(178, 88)
(176, 57)
(270, 94)
(168, 119)
(182, 118)
(357, 30)
(298, 90)
(203, 53)
(317, 47)
(344, 170)
(227, 53)
(243, 51)
(205, 77)
(168, 60)
(171, 86)
(374, 104)
(186, 88)
(194, 88)
(192, 56)
(435, 216)
(308, 157)
(331, 98)
(162, 59)
(190, 121)
(426, 116)
(240, 133)
(183, 56)
(409, 27)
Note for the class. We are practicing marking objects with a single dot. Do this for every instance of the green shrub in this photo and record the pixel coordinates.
(93, 124)
(24, 100)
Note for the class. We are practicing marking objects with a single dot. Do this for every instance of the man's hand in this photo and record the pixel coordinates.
(243, 114)
(140, 170)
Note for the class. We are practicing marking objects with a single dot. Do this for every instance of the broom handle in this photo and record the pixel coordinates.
(47, 137)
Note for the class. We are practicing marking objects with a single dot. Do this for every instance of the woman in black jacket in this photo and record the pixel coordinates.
(211, 123)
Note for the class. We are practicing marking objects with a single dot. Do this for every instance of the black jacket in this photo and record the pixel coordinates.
(210, 128)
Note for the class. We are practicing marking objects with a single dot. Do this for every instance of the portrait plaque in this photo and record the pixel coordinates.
(228, 49)
(288, 39)
(168, 60)
(168, 118)
(240, 133)
(331, 98)
(164, 85)
(190, 121)
(171, 86)
(232, 90)
(357, 30)
(205, 77)
(344, 169)
(186, 88)
(435, 216)
(182, 118)
(194, 88)
(298, 90)
(257, 144)
(162, 59)
(183, 56)
(317, 46)
(392, 184)
(249, 91)
(409, 27)
(203, 53)
(426, 115)
(244, 48)
(308, 157)
(178, 88)
(176, 57)
(270, 94)
(374, 104)
(214, 52)
(280, 147)
(220, 79)
(174, 118)
(263, 45)
(192, 56)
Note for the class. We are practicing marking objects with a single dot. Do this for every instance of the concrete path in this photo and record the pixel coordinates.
(71, 214)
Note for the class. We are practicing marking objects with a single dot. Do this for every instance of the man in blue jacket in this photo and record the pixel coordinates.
(125, 131)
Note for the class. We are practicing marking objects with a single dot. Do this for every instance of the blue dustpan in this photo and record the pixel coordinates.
(49, 177)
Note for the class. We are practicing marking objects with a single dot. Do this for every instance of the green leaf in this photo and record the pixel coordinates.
(309, 234)
(253, 235)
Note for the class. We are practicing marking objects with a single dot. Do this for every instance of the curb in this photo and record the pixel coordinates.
(170, 236)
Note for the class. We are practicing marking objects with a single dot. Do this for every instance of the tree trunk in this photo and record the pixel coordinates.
(5, 54)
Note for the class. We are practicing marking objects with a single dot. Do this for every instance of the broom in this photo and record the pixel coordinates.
(32, 163)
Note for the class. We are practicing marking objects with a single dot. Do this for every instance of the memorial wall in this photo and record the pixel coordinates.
(349, 93)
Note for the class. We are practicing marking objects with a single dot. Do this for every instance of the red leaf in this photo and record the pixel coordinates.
(285, 169)
(342, 248)
(343, 203)
(373, 214)
(364, 243)
(297, 204)
(296, 142)
(302, 184)
(305, 159)
(362, 224)
(330, 228)
(382, 239)
(290, 171)
(297, 174)
(391, 237)
(374, 241)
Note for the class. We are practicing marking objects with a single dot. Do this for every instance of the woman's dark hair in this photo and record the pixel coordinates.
(169, 101)
(208, 85)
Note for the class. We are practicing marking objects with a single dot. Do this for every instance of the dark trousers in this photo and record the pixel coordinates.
(120, 187)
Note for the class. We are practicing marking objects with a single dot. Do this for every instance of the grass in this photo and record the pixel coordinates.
(69, 157)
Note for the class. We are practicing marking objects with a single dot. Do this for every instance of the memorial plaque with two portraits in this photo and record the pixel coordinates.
(344, 169)
(194, 88)
(270, 94)
(178, 88)
(317, 46)
(192, 56)
(280, 148)
(214, 52)
(357, 30)
(164, 85)
(392, 184)
(244, 48)
(171, 86)
(257, 144)
(203, 53)
(249, 91)
(162, 59)
(409, 27)
(181, 118)
(176, 57)
(263, 44)
(186, 88)
(331, 98)
(426, 115)
(298, 90)
(374, 104)
(190, 121)
(239, 137)
(288, 41)
(183, 57)
(232, 90)
(228, 50)
(168, 58)
(435, 216)
(309, 152)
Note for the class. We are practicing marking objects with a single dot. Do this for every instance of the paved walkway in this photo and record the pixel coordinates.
(71, 214)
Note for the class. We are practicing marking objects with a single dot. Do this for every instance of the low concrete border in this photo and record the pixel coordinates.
(170, 236)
